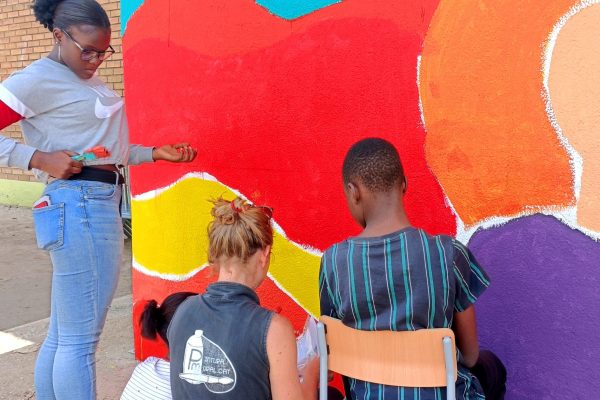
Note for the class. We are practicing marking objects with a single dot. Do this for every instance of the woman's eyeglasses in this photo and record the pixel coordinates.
(89, 55)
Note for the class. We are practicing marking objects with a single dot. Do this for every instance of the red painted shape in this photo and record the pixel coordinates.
(216, 28)
(147, 288)
(275, 120)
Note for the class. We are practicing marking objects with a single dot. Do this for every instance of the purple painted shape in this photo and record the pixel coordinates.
(541, 312)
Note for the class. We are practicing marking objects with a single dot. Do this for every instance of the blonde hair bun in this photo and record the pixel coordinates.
(238, 229)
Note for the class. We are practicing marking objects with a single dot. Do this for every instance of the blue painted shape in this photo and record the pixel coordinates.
(286, 9)
(291, 9)
(128, 7)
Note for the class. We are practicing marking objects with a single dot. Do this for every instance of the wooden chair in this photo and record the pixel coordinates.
(422, 358)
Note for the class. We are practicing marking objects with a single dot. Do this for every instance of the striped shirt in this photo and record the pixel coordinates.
(150, 381)
(403, 281)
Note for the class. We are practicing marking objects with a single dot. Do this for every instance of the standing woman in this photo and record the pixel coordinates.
(64, 109)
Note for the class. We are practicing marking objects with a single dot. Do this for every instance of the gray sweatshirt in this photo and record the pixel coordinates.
(63, 112)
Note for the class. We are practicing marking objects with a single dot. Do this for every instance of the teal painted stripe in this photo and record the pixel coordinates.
(353, 285)
(128, 8)
(401, 393)
(406, 283)
(444, 269)
(365, 272)
(430, 286)
(292, 9)
(380, 392)
(390, 275)
(438, 393)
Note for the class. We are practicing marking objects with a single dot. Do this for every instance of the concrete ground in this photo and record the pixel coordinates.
(24, 309)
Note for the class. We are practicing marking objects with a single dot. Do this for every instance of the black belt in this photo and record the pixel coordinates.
(98, 175)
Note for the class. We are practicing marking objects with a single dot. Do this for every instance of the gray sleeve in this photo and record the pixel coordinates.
(17, 92)
(139, 154)
(22, 91)
(15, 154)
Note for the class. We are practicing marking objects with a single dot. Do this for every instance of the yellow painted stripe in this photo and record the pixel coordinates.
(170, 239)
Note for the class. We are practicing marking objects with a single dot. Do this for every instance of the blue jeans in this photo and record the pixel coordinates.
(82, 230)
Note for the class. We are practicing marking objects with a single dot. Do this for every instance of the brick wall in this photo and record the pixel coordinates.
(23, 40)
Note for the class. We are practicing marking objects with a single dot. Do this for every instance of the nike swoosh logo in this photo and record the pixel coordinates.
(104, 112)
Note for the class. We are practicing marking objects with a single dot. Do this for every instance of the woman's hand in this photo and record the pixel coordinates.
(58, 164)
(178, 153)
(310, 377)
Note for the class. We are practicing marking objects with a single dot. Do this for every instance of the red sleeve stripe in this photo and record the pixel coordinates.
(8, 116)
(11, 101)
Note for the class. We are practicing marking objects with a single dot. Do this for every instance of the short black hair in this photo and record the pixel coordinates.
(64, 14)
(376, 163)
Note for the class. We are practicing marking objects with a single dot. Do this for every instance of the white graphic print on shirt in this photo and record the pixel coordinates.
(107, 103)
(204, 362)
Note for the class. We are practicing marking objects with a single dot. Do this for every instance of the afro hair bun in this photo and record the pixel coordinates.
(44, 12)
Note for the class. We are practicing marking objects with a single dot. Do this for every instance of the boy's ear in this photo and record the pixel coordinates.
(353, 192)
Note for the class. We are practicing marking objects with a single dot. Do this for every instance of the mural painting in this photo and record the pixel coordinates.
(492, 106)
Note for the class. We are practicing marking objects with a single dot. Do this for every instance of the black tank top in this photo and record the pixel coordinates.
(218, 345)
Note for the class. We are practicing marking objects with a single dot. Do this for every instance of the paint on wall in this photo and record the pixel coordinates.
(489, 140)
(162, 249)
(571, 64)
(232, 82)
(463, 89)
(128, 8)
(292, 9)
(539, 312)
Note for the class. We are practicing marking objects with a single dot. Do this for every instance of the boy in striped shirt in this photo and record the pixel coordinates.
(393, 276)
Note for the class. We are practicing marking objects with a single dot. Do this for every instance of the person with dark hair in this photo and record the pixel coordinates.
(394, 276)
(223, 344)
(76, 138)
(150, 379)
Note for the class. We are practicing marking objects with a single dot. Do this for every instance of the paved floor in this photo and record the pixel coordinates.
(25, 291)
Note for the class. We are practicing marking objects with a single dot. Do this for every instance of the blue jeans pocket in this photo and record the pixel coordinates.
(100, 191)
(49, 226)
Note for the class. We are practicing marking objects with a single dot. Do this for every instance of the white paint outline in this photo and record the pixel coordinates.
(168, 277)
(461, 232)
(576, 160)
(567, 215)
(205, 176)
(421, 112)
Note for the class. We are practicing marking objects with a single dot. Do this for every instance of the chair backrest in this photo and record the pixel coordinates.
(398, 358)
